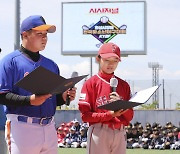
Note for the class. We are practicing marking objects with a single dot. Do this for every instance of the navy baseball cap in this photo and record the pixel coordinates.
(36, 22)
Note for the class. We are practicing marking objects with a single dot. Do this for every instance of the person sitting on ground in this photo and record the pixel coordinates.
(61, 136)
(71, 138)
(82, 138)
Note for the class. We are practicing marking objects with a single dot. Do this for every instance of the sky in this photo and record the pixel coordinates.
(163, 39)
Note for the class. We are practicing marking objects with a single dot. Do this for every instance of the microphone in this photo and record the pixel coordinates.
(113, 84)
(74, 74)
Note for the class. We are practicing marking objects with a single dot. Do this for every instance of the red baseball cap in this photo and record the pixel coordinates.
(109, 50)
(60, 128)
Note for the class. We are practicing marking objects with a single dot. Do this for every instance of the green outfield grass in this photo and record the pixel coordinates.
(129, 151)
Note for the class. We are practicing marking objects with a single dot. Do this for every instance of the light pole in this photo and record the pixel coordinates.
(155, 79)
(17, 25)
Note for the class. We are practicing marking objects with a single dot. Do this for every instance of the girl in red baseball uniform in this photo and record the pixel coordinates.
(106, 134)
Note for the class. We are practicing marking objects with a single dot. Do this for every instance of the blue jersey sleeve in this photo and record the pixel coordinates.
(6, 75)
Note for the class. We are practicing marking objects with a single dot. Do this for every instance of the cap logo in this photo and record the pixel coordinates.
(43, 19)
(114, 48)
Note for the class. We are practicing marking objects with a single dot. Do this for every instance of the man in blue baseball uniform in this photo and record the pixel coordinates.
(30, 127)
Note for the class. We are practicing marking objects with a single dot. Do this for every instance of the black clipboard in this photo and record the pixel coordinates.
(42, 81)
(138, 98)
(120, 104)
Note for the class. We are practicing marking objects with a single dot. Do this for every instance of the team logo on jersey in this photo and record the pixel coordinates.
(82, 96)
(25, 74)
(104, 30)
(101, 100)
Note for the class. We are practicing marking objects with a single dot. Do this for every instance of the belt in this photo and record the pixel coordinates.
(40, 121)
(111, 126)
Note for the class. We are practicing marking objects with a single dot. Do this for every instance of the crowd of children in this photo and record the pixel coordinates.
(74, 135)
(153, 136)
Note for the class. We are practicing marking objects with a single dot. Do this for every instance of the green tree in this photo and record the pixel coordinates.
(149, 106)
(177, 106)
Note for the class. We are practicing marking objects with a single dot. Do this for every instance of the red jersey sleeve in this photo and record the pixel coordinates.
(128, 115)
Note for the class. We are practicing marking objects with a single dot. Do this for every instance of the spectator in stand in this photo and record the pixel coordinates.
(61, 136)
(82, 138)
(71, 138)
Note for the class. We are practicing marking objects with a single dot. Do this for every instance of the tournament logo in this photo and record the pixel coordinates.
(104, 30)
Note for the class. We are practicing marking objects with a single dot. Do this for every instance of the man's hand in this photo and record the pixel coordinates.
(38, 99)
(71, 93)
